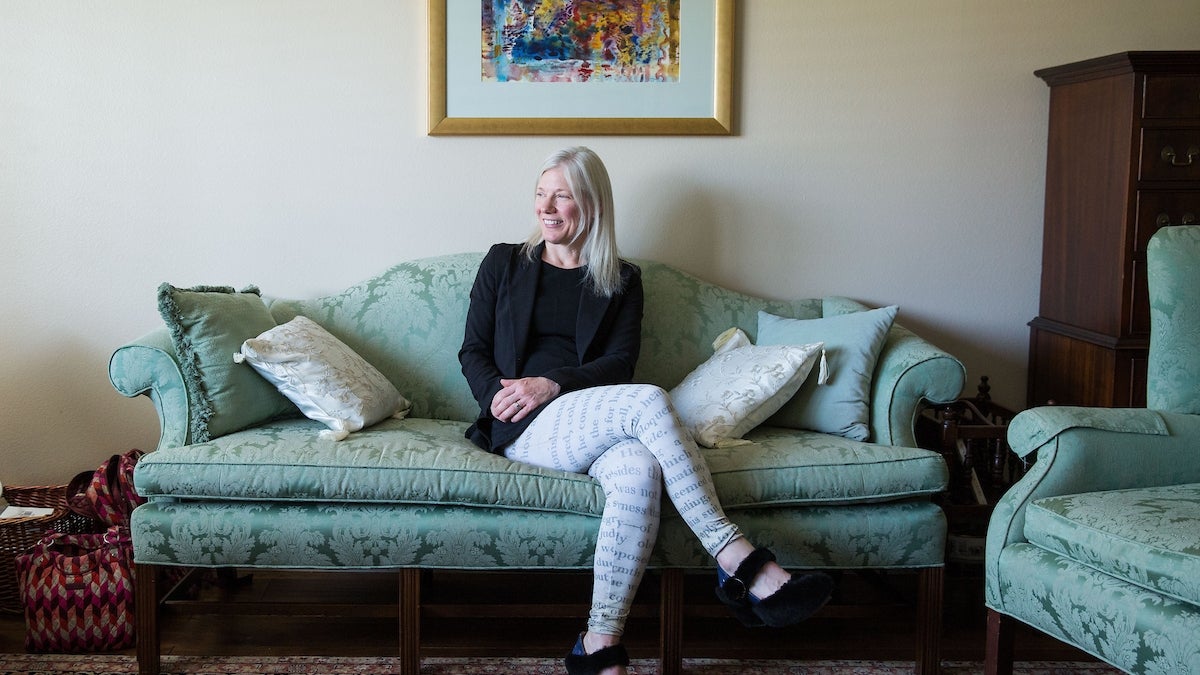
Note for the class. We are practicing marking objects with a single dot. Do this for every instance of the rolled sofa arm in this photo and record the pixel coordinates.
(149, 366)
(1088, 450)
(910, 370)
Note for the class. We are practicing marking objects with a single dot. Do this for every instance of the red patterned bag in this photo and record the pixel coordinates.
(77, 590)
(107, 493)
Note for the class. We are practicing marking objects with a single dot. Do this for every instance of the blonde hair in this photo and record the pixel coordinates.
(589, 184)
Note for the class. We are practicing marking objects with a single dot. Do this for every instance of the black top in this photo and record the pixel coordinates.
(555, 311)
(510, 333)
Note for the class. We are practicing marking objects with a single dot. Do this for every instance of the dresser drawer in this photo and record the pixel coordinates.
(1170, 154)
(1160, 209)
(1172, 96)
(1155, 210)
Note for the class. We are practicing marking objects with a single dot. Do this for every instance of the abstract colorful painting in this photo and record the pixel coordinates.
(580, 40)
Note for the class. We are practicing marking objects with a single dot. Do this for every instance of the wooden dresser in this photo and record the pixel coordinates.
(1123, 160)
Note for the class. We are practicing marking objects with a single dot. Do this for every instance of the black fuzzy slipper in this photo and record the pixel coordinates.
(580, 663)
(794, 602)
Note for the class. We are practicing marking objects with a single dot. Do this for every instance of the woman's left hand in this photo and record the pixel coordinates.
(518, 397)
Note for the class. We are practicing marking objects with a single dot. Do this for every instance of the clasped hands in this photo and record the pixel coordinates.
(517, 397)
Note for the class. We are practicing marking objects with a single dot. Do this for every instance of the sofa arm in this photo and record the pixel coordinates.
(910, 371)
(149, 366)
(1088, 450)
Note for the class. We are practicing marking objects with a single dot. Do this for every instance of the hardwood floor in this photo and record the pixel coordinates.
(363, 623)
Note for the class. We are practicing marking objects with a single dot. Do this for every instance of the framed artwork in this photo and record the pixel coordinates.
(580, 67)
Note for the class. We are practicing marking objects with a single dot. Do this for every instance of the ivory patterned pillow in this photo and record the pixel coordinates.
(736, 389)
(324, 377)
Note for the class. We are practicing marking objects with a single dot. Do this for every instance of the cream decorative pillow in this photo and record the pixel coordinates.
(324, 377)
(731, 339)
(736, 389)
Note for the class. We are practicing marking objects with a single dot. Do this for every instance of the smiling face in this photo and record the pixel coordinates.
(556, 208)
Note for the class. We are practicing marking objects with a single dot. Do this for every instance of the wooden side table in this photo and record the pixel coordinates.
(971, 434)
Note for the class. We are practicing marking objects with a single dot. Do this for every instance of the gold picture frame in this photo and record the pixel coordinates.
(717, 89)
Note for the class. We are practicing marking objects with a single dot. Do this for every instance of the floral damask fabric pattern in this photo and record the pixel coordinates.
(909, 367)
(407, 322)
(1173, 281)
(148, 369)
(421, 461)
(1147, 536)
(683, 316)
(821, 469)
(895, 535)
(1095, 545)
(1034, 427)
(1131, 627)
(415, 492)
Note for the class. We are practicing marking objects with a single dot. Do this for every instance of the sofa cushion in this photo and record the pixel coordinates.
(410, 461)
(423, 461)
(1146, 536)
(787, 466)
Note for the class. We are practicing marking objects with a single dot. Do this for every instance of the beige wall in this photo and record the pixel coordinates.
(888, 151)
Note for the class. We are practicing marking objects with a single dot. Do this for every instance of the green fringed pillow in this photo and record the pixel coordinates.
(208, 325)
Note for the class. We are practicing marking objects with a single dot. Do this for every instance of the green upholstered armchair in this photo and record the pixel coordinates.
(1099, 544)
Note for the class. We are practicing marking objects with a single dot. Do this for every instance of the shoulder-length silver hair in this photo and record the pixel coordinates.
(590, 186)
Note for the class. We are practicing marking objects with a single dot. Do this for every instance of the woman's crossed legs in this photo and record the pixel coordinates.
(629, 438)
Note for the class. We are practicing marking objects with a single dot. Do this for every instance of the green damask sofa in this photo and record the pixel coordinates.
(413, 494)
(1098, 544)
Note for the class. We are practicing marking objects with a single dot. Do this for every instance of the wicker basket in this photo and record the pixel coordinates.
(18, 534)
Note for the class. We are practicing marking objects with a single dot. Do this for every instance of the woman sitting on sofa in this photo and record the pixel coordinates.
(552, 336)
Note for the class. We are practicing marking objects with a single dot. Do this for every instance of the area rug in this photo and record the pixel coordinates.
(22, 664)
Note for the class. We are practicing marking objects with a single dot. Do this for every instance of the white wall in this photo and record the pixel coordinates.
(888, 151)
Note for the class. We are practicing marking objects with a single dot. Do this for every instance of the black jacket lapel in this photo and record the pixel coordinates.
(592, 311)
(523, 292)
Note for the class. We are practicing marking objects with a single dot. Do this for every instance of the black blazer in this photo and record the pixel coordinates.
(495, 343)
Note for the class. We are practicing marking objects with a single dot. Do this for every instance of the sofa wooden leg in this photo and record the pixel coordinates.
(930, 592)
(146, 615)
(671, 623)
(410, 622)
(998, 659)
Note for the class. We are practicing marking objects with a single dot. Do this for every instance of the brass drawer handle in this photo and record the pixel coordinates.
(1164, 220)
(1168, 155)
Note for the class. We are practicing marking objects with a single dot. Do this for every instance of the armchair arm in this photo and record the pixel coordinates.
(149, 366)
(1088, 450)
(910, 370)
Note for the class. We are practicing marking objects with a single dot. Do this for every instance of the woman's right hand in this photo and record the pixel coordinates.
(517, 398)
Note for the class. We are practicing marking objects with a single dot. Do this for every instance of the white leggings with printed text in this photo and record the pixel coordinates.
(629, 438)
